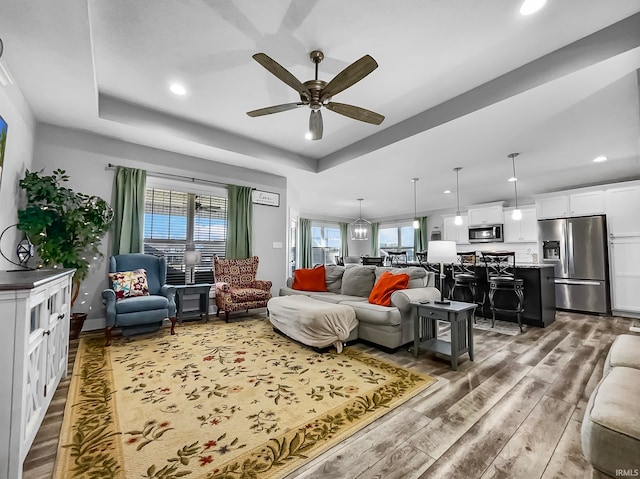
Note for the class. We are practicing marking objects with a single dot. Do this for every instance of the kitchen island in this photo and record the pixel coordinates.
(539, 294)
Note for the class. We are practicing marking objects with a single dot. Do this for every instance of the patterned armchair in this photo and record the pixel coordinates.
(237, 288)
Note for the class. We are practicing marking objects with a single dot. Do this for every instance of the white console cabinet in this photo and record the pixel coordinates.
(34, 348)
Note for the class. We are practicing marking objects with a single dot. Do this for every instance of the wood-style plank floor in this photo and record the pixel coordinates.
(514, 412)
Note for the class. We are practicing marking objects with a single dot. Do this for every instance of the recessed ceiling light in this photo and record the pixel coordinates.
(177, 89)
(446, 192)
(512, 179)
(531, 6)
(600, 159)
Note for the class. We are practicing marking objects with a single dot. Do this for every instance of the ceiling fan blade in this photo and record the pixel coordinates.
(315, 125)
(356, 112)
(283, 74)
(349, 76)
(274, 109)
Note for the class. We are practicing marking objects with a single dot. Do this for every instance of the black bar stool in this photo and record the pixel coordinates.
(465, 278)
(501, 275)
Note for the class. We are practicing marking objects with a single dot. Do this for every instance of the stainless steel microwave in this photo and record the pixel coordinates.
(485, 234)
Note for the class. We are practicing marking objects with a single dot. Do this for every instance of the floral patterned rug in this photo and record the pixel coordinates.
(218, 401)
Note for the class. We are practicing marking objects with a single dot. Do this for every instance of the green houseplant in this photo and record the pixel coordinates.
(65, 226)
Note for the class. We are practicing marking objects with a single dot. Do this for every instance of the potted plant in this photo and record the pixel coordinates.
(66, 227)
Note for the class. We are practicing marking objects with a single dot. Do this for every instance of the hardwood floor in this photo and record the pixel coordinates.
(514, 412)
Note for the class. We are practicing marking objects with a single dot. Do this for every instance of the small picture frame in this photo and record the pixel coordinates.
(265, 198)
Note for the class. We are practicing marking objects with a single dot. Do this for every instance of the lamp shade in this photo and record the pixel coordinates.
(192, 257)
(441, 252)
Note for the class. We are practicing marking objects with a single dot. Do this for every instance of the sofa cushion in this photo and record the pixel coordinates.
(386, 285)
(611, 423)
(374, 313)
(625, 351)
(417, 275)
(141, 303)
(335, 298)
(309, 279)
(358, 280)
(333, 278)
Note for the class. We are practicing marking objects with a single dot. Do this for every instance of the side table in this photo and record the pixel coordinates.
(425, 329)
(202, 290)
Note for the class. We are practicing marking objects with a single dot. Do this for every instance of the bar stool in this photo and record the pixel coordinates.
(501, 275)
(465, 277)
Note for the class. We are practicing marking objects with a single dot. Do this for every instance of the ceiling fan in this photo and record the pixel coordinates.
(316, 93)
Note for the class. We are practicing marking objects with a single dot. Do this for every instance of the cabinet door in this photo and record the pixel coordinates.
(625, 274)
(553, 207)
(491, 215)
(591, 202)
(524, 230)
(457, 233)
(35, 369)
(621, 207)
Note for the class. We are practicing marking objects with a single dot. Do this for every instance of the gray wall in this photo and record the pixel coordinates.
(17, 158)
(85, 157)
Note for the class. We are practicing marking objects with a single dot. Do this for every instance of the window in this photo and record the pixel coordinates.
(325, 243)
(397, 238)
(174, 219)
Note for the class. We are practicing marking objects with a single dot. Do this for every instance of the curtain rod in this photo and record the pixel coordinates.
(111, 166)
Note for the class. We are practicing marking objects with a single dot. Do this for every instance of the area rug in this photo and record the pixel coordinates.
(218, 401)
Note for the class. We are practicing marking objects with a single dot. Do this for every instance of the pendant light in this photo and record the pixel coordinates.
(416, 223)
(458, 218)
(517, 213)
(359, 229)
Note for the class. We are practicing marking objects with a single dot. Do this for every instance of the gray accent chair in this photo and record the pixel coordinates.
(140, 314)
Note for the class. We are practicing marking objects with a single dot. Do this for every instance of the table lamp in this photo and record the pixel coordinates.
(191, 258)
(442, 252)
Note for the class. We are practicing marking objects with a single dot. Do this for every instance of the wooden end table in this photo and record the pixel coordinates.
(425, 329)
(202, 290)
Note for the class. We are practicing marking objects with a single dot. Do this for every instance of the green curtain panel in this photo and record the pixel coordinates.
(306, 252)
(239, 222)
(375, 245)
(128, 208)
(344, 239)
(420, 236)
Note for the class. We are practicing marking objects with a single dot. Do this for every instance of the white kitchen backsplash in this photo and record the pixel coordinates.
(525, 252)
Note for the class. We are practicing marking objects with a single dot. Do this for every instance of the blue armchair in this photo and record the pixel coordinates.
(140, 314)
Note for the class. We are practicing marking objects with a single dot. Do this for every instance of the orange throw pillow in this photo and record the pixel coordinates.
(386, 285)
(309, 279)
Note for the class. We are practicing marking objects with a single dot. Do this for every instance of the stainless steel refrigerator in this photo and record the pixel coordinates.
(577, 248)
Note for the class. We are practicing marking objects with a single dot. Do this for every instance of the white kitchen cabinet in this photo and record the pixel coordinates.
(457, 233)
(622, 207)
(574, 204)
(586, 203)
(553, 207)
(624, 254)
(487, 215)
(521, 231)
(34, 348)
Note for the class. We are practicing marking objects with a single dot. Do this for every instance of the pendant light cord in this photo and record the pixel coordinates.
(415, 201)
(458, 191)
(515, 183)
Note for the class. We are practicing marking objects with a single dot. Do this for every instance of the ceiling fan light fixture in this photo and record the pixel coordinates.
(531, 6)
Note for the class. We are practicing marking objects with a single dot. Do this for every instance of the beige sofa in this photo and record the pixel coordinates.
(388, 327)
(611, 423)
